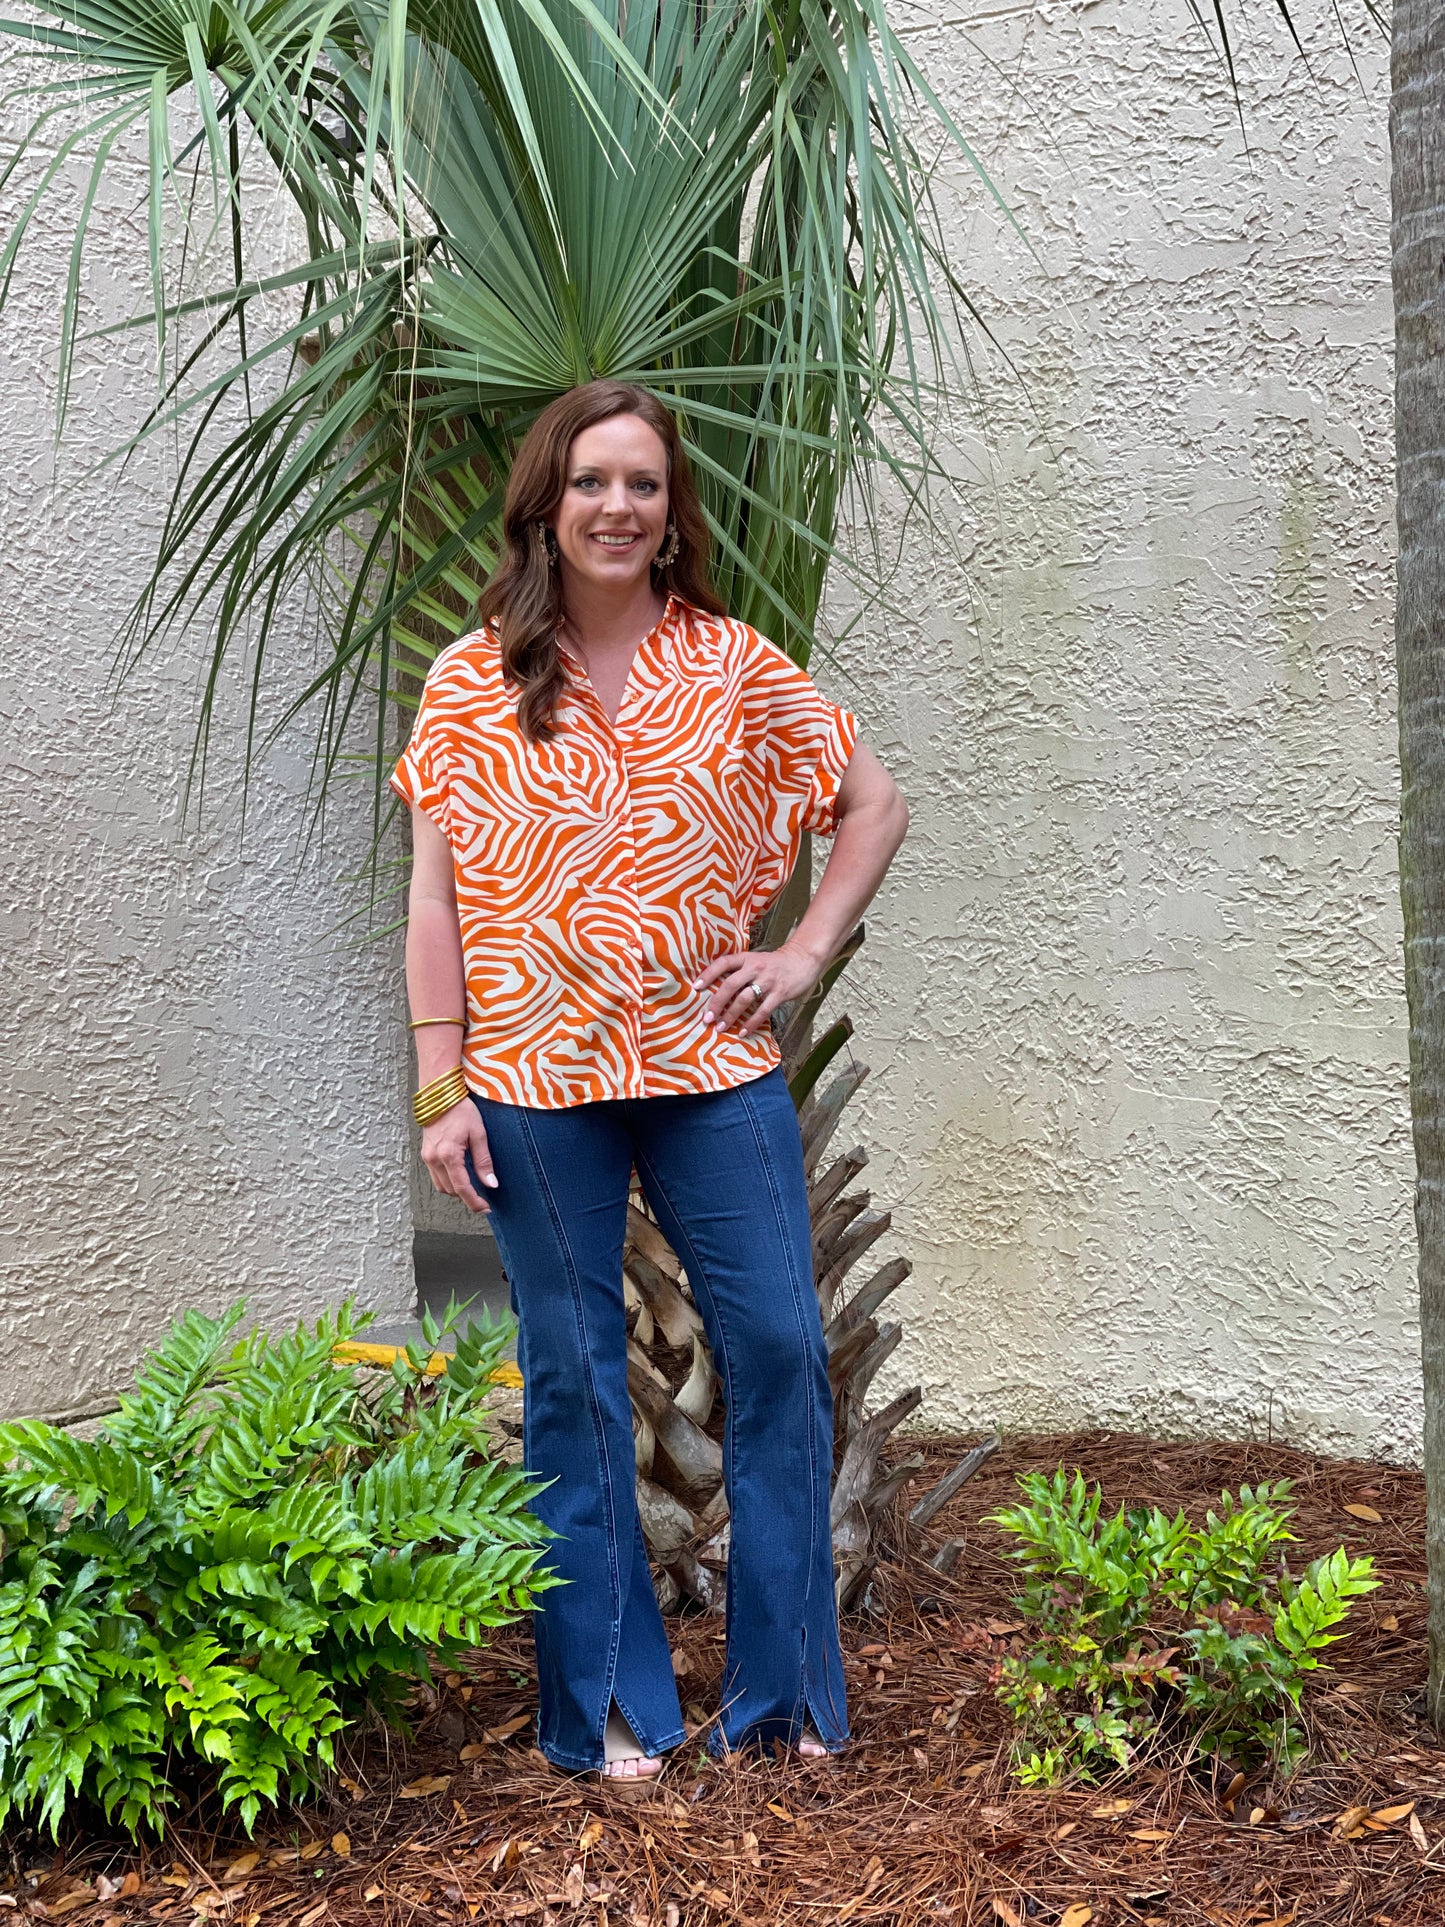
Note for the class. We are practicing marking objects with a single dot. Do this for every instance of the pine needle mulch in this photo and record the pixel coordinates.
(918, 1823)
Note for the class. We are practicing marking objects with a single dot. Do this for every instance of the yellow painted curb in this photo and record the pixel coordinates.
(354, 1352)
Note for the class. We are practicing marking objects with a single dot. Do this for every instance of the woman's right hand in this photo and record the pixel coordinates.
(444, 1146)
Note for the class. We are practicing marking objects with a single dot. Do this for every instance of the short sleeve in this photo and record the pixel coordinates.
(809, 739)
(839, 734)
(419, 778)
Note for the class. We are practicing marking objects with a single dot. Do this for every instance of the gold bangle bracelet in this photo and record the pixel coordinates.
(439, 1095)
(440, 1084)
(418, 1023)
(451, 1090)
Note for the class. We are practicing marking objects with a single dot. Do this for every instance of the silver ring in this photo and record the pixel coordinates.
(756, 989)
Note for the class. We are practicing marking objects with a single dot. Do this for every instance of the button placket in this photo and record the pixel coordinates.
(628, 883)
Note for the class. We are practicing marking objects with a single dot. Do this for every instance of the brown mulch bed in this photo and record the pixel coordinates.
(919, 1822)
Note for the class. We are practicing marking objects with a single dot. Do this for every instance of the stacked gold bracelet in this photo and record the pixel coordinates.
(440, 1095)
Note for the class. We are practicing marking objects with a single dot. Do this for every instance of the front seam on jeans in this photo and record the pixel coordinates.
(787, 1244)
(695, 1268)
(694, 1265)
(594, 1408)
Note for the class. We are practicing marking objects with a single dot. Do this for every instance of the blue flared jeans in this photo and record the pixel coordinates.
(723, 1173)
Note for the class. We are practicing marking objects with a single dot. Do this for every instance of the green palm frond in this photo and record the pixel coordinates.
(502, 198)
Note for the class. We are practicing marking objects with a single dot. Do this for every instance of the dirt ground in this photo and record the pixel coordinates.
(919, 1822)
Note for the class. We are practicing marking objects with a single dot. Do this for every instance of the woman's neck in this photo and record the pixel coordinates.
(602, 619)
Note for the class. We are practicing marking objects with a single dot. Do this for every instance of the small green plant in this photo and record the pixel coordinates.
(262, 1544)
(1145, 1624)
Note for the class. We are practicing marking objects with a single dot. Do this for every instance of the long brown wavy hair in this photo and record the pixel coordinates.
(523, 597)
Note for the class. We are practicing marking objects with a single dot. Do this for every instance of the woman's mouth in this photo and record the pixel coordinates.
(616, 542)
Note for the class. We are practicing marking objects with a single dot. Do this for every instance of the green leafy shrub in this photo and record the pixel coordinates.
(1144, 1624)
(262, 1544)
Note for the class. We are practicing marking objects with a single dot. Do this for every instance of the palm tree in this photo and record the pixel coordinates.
(498, 199)
(1417, 128)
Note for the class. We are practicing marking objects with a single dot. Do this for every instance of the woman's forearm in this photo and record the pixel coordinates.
(435, 982)
(454, 1142)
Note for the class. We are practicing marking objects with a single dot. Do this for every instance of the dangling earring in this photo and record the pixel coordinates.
(667, 554)
(542, 541)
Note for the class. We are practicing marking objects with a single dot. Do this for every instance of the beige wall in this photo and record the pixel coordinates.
(1134, 999)
(201, 1087)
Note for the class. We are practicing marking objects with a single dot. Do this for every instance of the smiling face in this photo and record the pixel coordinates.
(612, 518)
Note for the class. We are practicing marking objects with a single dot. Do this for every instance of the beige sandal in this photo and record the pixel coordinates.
(623, 1751)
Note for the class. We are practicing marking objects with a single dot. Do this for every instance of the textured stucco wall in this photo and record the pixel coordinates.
(1133, 998)
(201, 1085)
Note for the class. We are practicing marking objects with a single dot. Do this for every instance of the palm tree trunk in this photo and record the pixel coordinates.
(1417, 128)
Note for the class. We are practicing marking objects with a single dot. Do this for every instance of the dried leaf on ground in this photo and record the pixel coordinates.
(1349, 1825)
(1388, 1816)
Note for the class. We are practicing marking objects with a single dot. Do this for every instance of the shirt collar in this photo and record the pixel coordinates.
(663, 634)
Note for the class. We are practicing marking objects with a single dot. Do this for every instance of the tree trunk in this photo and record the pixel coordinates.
(1417, 131)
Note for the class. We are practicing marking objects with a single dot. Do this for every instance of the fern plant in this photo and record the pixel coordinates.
(261, 1545)
(1142, 1621)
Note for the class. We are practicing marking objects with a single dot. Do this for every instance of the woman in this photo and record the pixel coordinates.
(608, 782)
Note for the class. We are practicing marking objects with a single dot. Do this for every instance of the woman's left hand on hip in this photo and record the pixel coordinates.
(745, 987)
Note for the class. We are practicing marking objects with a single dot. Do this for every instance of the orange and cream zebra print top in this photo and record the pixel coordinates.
(599, 872)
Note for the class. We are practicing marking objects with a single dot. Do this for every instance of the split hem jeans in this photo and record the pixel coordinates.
(723, 1173)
